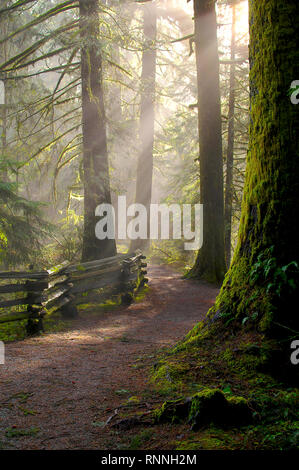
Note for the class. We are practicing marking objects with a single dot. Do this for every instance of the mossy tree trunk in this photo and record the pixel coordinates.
(210, 262)
(147, 116)
(4, 100)
(95, 155)
(261, 284)
(228, 202)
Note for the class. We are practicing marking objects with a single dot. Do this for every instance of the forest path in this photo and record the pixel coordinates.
(58, 389)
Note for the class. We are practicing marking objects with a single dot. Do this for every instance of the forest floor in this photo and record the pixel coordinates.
(68, 389)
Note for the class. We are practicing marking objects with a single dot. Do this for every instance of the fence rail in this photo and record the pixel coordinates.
(60, 287)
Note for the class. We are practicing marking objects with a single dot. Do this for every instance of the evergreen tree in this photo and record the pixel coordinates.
(262, 283)
(95, 155)
(210, 262)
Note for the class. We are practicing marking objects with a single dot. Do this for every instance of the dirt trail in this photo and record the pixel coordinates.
(58, 388)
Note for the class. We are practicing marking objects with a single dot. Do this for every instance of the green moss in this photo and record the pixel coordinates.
(173, 411)
(211, 406)
(14, 331)
(271, 186)
(238, 412)
(133, 400)
(238, 406)
(212, 443)
(237, 401)
(282, 435)
(207, 406)
(195, 330)
(212, 438)
(169, 375)
(205, 443)
(245, 365)
(200, 332)
(141, 294)
(189, 444)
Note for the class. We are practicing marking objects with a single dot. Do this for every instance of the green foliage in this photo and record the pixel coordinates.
(22, 227)
(66, 245)
(254, 291)
(170, 252)
(277, 280)
(277, 425)
(13, 331)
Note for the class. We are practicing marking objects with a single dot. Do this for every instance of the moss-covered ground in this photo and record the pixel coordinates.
(216, 393)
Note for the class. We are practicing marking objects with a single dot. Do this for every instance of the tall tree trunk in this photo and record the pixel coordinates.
(116, 109)
(4, 97)
(3, 128)
(261, 283)
(147, 115)
(230, 145)
(96, 168)
(210, 262)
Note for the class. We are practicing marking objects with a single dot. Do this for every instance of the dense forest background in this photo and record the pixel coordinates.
(164, 101)
(42, 184)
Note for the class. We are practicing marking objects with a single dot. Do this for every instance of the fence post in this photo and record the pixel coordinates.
(35, 322)
(142, 272)
(69, 310)
(126, 285)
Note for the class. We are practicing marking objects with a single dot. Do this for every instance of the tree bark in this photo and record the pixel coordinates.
(3, 128)
(147, 117)
(4, 103)
(230, 145)
(95, 155)
(261, 284)
(210, 262)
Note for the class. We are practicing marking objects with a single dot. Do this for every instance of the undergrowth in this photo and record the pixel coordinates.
(237, 364)
(214, 391)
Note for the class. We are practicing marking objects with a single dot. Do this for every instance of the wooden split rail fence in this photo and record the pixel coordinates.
(36, 294)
